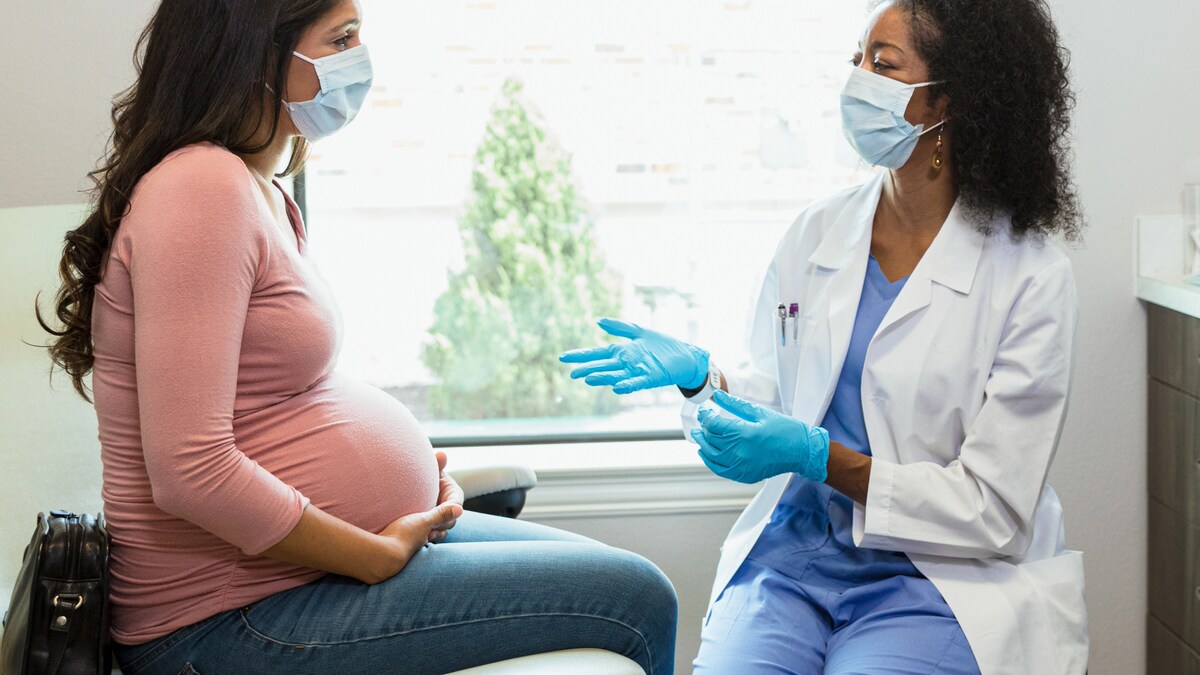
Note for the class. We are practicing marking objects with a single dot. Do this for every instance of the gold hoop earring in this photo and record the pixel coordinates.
(937, 160)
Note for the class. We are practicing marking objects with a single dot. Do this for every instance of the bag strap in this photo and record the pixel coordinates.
(63, 629)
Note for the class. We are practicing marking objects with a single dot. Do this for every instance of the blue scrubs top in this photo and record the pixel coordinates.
(806, 597)
(812, 520)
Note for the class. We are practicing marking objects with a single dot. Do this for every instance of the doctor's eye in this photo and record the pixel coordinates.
(341, 42)
(856, 59)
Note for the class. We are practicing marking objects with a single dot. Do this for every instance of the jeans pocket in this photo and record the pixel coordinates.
(137, 658)
(188, 669)
(264, 633)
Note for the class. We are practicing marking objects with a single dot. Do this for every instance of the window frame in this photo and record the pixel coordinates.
(300, 196)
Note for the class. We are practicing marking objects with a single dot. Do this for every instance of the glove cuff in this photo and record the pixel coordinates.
(699, 375)
(712, 383)
(702, 362)
(818, 454)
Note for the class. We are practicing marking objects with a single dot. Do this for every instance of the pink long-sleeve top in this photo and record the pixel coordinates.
(221, 417)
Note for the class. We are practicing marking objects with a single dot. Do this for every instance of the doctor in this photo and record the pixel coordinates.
(911, 357)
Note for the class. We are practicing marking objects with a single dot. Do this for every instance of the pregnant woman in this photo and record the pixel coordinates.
(268, 514)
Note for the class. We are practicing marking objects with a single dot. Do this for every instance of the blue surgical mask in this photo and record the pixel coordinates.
(873, 118)
(345, 80)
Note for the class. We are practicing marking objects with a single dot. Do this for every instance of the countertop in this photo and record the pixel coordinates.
(1176, 295)
(1162, 255)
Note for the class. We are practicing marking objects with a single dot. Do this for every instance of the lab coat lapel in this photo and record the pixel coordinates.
(951, 261)
(839, 265)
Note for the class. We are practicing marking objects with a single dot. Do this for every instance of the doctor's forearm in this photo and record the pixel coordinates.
(849, 472)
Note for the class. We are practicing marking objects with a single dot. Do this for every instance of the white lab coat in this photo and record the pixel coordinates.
(964, 391)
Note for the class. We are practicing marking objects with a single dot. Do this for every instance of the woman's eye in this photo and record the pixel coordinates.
(856, 60)
(881, 66)
(341, 42)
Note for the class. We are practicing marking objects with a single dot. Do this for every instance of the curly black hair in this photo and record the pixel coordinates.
(1004, 71)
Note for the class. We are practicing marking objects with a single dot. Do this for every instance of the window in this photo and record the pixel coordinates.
(526, 166)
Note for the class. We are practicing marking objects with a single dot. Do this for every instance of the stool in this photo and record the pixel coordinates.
(573, 661)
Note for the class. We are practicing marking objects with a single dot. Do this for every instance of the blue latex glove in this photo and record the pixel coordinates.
(650, 359)
(759, 443)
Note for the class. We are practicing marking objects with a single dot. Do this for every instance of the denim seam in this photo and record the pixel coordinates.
(254, 631)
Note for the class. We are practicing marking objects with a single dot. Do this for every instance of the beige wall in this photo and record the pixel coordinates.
(49, 455)
(1138, 98)
(66, 61)
(1134, 138)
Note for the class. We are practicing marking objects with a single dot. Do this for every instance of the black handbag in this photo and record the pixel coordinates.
(57, 619)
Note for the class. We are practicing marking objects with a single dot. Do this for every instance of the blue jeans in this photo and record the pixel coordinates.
(495, 589)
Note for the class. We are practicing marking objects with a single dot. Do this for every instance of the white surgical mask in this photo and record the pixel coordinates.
(873, 118)
(345, 80)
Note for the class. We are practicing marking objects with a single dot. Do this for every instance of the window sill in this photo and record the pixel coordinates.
(634, 478)
(554, 458)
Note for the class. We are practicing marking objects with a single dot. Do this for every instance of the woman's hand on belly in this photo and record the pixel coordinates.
(448, 493)
(324, 542)
(406, 535)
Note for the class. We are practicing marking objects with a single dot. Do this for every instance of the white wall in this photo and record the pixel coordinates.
(53, 122)
(49, 455)
(1138, 97)
(1134, 135)
(58, 81)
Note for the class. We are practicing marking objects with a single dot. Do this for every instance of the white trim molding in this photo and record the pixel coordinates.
(627, 478)
(575, 493)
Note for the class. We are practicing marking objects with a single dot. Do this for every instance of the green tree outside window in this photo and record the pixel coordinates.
(532, 284)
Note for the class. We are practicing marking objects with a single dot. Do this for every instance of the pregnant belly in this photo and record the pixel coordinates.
(354, 451)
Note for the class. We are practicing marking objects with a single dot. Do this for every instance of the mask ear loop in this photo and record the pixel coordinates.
(930, 129)
(316, 69)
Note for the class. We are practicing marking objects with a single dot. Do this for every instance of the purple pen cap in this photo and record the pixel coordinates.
(794, 309)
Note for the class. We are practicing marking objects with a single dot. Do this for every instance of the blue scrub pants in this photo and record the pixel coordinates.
(807, 601)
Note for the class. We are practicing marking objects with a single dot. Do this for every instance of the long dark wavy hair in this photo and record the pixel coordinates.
(205, 73)
(1005, 72)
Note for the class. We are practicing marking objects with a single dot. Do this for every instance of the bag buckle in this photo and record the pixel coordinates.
(64, 605)
(69, 597)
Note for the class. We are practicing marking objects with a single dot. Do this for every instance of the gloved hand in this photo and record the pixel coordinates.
(759, 443)
(650, 359)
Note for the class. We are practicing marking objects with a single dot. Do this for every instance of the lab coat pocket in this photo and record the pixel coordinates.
(800, 331)
(1059, 583)
(792, 343)
(791, 336)
(1059, 578)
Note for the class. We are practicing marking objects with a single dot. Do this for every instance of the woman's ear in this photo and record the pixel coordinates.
(939, 107)
(940, 104)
